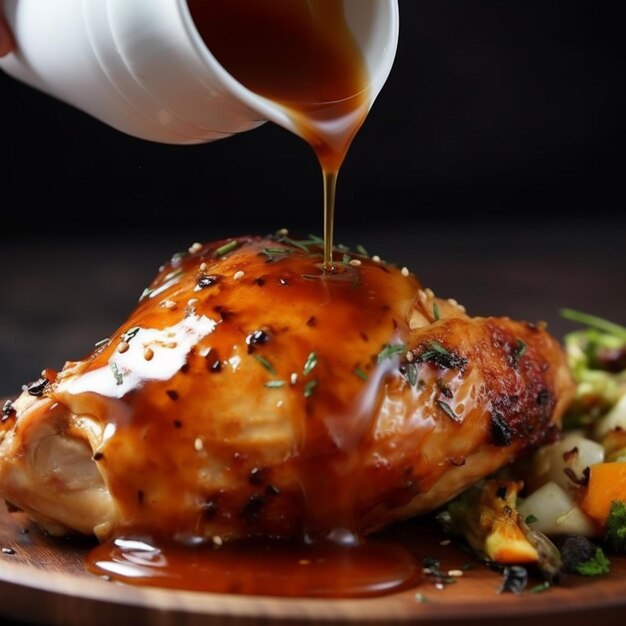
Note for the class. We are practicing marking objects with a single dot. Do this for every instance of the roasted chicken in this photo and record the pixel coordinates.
(250, 393)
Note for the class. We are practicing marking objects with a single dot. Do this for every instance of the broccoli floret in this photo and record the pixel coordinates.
(597, 565)
(616, 526)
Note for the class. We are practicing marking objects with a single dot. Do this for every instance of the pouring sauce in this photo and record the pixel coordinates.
(301, 55)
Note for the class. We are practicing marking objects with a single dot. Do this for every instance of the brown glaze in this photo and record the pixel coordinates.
(251, 395)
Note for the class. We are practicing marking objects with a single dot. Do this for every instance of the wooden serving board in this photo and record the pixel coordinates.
(44, 582)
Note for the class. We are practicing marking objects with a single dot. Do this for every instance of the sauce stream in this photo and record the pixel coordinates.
(301, 55)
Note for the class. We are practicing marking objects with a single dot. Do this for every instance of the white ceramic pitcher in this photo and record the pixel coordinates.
(142, 67)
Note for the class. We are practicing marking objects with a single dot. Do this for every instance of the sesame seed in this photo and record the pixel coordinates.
(168, 304)
(280, 404)
(203, 267)
(421, 294)
(453, 302)
(376, 258)
(122, 347)
(192, 301)
(456, 573)
(195, 247)
(355, 263)
(439, 586)
(445, 542)
(198, 444)
(304, 562)
(405, 271)
(409, 356)
(462, 308)
(283, 232)
(239, 275)
(429, 293)
(217, 541)
(294, 378)
(148, 353)
(427, 571)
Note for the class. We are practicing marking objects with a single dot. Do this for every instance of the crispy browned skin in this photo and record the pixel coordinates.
(245, 395)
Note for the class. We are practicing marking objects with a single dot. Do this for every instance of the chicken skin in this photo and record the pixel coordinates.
(252, 394)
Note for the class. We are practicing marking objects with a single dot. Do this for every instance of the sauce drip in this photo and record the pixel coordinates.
(301, 55)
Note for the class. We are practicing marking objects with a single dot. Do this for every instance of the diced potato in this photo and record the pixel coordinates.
(550, 463)
(556, 512)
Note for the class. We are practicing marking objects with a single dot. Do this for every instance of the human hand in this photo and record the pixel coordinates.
(7, 43)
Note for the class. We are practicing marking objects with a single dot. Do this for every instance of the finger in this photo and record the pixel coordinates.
(6, 38)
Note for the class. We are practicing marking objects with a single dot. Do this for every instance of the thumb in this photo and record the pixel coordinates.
(6, 38)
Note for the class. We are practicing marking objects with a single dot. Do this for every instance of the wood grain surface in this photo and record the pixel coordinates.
(44, 582)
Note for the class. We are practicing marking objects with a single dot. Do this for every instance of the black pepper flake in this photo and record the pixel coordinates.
(37, 387)
(501, 433)
(210, 509)
(140, 496)
(256, 338)
(172, 394)
(258, 476)
(9, 551)
(98, 456)
(312, 321)
(223, 312)
(8, 411)
(178, 424)
(207, 280)
(543, 397)
(252, 509)
(443, 388)
(260, 282)
(501, 492)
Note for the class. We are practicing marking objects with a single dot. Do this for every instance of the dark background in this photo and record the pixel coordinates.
(490, 165)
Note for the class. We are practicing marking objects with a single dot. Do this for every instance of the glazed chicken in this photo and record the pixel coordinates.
(252, 394)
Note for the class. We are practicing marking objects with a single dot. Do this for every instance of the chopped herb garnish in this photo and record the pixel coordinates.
(411, 374)
(438, 355)
(309, 388)
(129, 334)
(265, 363)
(436, 311)
(531, 519)
(520, 348)
(391, 350)
(595, 322)
(101, 343)
(447, 409)
(310, 364)
(361, 250)
(360, 373)
(272, 253)
(420, 597)
(275, 384)
(346, 259)
(119, 379)
(226, 248)
(544, 586)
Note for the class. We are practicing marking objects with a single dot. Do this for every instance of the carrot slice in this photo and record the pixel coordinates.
(607, 482)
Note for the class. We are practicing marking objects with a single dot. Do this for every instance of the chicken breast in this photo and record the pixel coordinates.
(251, 394)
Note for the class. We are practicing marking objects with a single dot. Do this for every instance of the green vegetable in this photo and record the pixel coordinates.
(616, 526)
(597, 565)
(390, 350)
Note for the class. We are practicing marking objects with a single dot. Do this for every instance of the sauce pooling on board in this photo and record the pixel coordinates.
(286, 459)
(301, 55)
